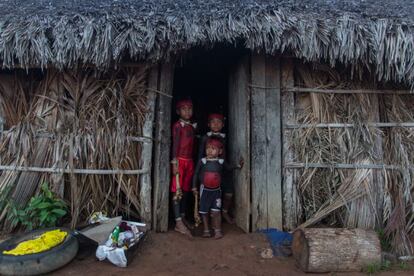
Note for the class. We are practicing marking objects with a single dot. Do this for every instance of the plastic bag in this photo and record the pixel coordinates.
(113, 254)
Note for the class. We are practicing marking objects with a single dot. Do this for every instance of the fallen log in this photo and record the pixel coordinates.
(335, 249)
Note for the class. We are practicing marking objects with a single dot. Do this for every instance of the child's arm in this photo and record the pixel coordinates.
(231, 167)
(202, 147)
(195, 176)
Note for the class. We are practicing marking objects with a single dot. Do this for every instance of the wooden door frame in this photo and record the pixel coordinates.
(162, 137)
(265, 206)
(239, 137)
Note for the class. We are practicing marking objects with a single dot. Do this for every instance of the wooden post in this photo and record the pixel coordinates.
(58, 180)
(145, 196)
(258, 141)
(273, 144)
(1, 124)
(162, 149)
(291, 203)
(239, 135)
(266, 143)
(335, 249)
(378, 176)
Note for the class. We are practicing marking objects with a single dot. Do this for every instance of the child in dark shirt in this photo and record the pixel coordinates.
(208, 173)
(216, 125)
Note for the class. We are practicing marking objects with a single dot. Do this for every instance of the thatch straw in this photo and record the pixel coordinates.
(375, 35)
(398, 198)
(363, 198)
(90, 117)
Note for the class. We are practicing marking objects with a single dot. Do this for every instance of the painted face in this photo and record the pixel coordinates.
(216, 125)
(185, 112)
(212, 151)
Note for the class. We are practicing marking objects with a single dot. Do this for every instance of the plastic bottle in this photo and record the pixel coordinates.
(115, 235)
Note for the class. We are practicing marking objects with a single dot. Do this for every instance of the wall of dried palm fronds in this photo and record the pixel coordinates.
(359, 197)
(73, 120)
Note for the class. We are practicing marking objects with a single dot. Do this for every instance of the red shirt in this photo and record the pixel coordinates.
(183, 140)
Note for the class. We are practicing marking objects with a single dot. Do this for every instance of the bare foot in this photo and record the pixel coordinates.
(187, 223)
(227, 218)
(182, 229)
(217, 234)
(206, 234)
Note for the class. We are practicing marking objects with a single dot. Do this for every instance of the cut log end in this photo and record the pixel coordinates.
(335, 249)
(300, 249)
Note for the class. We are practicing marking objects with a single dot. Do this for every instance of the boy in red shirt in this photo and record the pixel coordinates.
(183, 133)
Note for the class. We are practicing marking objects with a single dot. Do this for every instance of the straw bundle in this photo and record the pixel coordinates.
(78, 120)
(364, 198)
(399, 185)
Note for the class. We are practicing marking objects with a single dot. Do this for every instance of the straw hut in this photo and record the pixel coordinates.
(317, 95)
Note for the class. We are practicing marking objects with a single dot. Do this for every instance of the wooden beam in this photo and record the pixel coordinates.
(291, 202)
(72, 171)
(299, 165)
(145, 192)
(258, 143)
(162, 149)
(345, 91)
(345, 125)
(273, 145)
(43, 134)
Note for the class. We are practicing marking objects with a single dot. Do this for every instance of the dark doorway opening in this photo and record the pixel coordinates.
(202, 75)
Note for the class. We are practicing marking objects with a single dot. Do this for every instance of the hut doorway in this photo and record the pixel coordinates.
(245, 87)
(211, 79)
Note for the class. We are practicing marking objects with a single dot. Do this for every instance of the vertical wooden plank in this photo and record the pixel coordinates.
(291, 203)
(57, 179)
(273, 144)
(239, 135)
(1, 119)
(1, 123)
(378, 175)
(145, 196)
(258, 143)
(162, 148)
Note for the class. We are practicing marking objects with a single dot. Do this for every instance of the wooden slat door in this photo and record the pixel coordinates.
(266, 143)
(239, 139)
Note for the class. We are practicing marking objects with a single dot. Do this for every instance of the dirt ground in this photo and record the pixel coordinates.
(173, 254)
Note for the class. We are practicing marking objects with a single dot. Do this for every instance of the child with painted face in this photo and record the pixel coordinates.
(183, 133)
(216, 125)
(208, 173)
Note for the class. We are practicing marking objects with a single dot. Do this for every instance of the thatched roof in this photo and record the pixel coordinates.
(377, 34)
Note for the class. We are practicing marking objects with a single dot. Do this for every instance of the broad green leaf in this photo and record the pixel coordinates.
(59, 212)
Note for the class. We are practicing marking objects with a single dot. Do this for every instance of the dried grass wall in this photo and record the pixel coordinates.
(73, 120)
(359, 197)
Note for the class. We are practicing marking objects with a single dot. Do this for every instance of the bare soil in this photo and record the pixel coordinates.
(173, 254)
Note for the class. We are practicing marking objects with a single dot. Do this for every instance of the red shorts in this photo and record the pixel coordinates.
(186, 172)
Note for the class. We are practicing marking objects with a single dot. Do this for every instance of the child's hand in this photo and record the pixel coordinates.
(241, 162)
(174, 167)
(195, 191)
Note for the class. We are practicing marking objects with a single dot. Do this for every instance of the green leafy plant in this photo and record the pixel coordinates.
(404, 266)
(384, 240)
(377, 267)
(44, 210)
